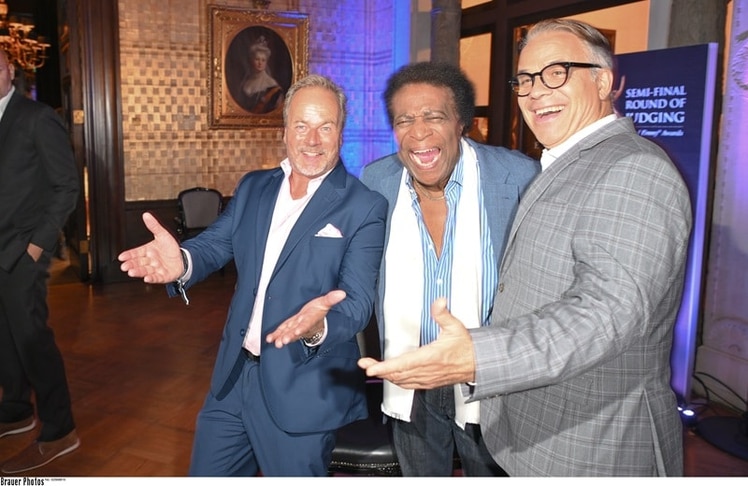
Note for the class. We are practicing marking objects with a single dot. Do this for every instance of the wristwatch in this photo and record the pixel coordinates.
(313, 340)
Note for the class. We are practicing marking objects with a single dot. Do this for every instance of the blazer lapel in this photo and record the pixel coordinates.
(493, 175)
(265, 204)
(9, 115)
(391, 182)
(536, 189)
(322, 203)
(543, 180)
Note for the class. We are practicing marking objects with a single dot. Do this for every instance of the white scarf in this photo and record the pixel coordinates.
(404, 284)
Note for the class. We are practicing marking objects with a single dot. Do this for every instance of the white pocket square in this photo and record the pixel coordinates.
(329, 231)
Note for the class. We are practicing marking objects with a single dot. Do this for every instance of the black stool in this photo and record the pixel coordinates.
(365, 447)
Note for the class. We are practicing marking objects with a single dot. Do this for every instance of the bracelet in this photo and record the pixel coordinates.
(179, 283)
(185, 263)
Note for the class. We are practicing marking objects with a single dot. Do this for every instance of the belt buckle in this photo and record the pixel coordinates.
(252, 357)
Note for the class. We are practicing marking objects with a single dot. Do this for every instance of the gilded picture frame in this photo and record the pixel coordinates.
(255, 56)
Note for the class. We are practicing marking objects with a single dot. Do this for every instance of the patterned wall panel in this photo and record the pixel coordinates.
(352, 43)
(168, 145)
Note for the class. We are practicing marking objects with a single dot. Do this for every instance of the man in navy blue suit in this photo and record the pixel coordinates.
(307, 240)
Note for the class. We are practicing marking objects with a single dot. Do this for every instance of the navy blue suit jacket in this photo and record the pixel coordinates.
(306, 389)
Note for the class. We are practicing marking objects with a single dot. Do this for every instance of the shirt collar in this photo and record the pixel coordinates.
(550, 155)
(5, 100)
(313, 183)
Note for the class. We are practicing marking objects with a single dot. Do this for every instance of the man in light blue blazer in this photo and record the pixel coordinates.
(307, 241)
(573, 374)
(451, 203)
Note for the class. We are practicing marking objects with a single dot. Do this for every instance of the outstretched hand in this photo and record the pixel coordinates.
(308, 321)
(447, 361)
(158, 261)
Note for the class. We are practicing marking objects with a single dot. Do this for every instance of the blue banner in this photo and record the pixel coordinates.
(669, 94)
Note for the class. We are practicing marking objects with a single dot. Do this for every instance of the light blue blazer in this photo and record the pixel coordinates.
(504, 175)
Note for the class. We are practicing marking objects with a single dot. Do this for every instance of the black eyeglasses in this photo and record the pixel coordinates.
(553, 76)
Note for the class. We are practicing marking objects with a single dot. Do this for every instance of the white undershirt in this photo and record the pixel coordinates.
(550, 155)
(5, 100)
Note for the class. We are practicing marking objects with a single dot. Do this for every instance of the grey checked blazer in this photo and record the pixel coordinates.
(573, 373)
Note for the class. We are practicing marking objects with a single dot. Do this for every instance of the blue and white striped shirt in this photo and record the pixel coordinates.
(437, 272)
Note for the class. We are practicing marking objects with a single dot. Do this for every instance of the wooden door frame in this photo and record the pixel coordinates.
(500, 18)
(96, 131)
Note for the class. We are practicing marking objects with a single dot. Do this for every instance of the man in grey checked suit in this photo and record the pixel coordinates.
(573, 373)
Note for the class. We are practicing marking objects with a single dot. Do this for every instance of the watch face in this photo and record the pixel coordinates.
(313, 340)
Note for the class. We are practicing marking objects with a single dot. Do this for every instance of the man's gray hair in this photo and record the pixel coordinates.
(317, 81)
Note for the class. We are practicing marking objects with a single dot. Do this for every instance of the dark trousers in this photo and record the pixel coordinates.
(29, 358)
(237, 436)
(425, 446)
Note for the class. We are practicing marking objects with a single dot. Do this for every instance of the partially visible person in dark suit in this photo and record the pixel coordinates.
(20, 81)
(38, 191)
(307, 239)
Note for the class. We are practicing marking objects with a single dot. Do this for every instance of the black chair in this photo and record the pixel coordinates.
(198, 207)
(364, 447)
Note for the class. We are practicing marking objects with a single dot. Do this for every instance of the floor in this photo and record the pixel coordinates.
(138, 364)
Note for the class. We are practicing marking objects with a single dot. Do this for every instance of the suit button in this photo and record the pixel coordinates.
(501, 287)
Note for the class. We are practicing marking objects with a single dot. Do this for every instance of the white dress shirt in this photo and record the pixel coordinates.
(549, 156)
(286, 213)
(5, 100)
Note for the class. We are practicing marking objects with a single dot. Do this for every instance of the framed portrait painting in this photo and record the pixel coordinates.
(255, 57)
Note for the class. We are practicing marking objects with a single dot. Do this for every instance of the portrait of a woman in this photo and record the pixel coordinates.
(258, 70)
(260, 92)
